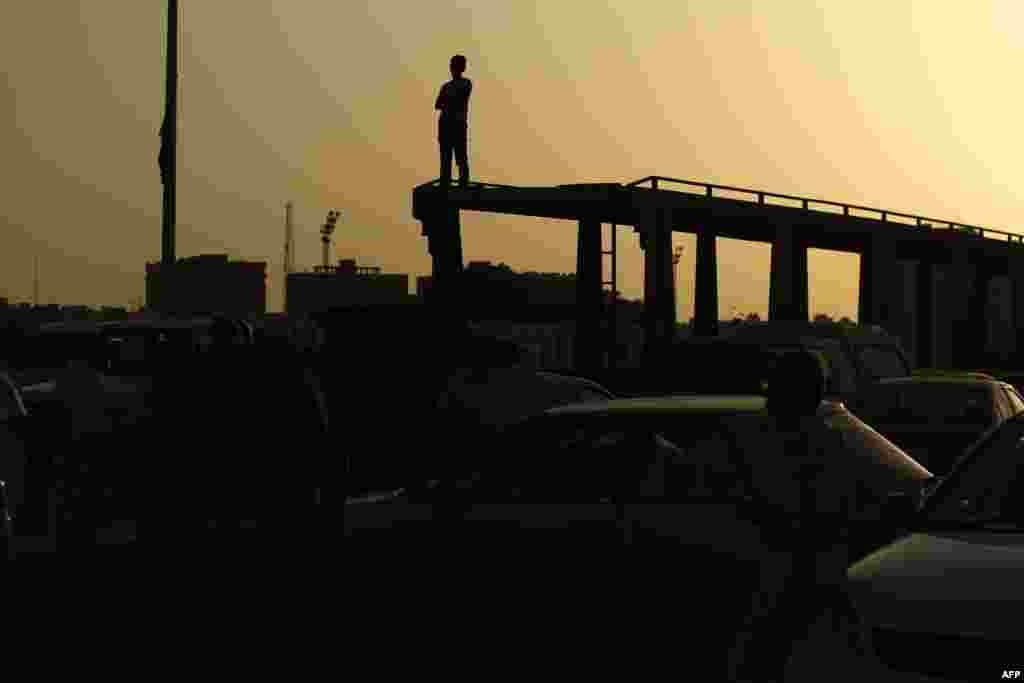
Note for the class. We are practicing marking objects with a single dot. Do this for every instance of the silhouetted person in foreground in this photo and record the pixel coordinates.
(806, 494)
(453, 124)
(238, 435)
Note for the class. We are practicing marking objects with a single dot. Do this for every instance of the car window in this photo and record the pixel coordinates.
(987, 482)
(929, 402)
(590, 395)
(1004, 403)
(882, 361)
(1016, 402)
(558, 459)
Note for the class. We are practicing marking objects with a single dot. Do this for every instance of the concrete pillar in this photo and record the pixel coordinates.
(787, 291)
(659, 283)
(924, 339)
(955, 306)
(977, 315)
(1015, 267)
(705, 299)
(444, 241)
(880, 285)
(589, 296)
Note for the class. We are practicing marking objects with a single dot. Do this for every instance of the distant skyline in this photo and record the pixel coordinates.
(899, 105)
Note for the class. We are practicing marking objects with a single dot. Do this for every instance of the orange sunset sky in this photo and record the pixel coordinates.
(908, 105)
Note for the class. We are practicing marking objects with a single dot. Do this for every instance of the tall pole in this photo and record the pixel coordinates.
(287, 252)
(35, 283)
(169, 139)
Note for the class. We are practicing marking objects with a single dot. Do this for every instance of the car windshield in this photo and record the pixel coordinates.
(880, 362)
(986, 486)
(566, 459)
(928, 403)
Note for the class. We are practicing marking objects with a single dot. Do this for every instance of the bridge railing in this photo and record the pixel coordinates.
(810, 204)
(806, 203)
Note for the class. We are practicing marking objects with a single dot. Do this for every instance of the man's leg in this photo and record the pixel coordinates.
(462, 158)
(446, 160)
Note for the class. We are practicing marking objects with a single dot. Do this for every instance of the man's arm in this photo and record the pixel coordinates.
(438, 103)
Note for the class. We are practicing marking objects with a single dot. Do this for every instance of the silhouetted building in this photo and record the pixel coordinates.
(496, 292)
(346, 284)
(206, 284)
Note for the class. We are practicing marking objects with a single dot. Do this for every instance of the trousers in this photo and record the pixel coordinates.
(452, 140)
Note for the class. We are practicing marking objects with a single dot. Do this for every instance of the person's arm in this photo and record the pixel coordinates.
(439, 102)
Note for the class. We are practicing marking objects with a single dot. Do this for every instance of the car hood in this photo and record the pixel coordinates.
(957, 583)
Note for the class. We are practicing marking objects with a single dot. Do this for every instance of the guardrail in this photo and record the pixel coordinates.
(808, 204)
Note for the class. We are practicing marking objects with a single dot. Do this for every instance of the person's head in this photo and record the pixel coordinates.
(796, 385)
(223, 334)
(457, 65)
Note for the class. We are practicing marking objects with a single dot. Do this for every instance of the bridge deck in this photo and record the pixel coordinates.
(731, 211)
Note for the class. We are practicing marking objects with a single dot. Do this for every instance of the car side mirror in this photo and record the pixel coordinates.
(900, 509)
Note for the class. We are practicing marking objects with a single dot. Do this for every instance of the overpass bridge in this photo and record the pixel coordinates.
(956, 261)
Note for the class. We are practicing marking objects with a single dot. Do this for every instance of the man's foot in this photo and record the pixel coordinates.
(463, 183)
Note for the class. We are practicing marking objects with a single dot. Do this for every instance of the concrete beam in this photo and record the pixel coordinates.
(705, 299)
(787, 292)
(879, 283)
(589, 297)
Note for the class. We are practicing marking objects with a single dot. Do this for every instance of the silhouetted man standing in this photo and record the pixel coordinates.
(453, 124)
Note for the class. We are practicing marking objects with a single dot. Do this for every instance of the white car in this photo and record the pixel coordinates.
(946, 601)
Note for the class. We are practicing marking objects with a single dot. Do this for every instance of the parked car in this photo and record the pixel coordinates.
(855, 355)
(935, 417)
(576, 484)
(489, 398)
(945, 600)
(653, 427)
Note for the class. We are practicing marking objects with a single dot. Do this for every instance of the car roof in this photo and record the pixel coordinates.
(966, 379)
(654, 405)
(91, 326)
(783, 330)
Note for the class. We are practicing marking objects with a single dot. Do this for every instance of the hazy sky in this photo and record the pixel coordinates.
(905, 105)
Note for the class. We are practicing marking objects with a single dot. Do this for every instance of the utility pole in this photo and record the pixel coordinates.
(35, 283)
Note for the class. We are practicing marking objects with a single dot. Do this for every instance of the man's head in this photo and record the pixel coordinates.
(796, 385)
(457, 65)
